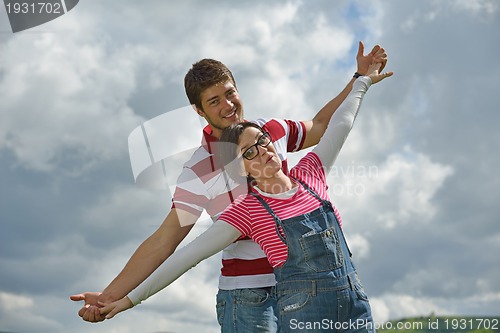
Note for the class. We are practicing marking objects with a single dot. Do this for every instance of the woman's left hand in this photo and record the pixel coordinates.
(111, 309)
(373, 73)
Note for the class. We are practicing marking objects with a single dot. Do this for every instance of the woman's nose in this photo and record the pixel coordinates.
(262, 150)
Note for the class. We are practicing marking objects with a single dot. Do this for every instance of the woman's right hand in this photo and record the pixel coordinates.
(375, 75)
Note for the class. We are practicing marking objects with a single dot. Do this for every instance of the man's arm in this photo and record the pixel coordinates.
(145, 260)
(316, 127)
(343, 120)
(150, 254)
(210, 242)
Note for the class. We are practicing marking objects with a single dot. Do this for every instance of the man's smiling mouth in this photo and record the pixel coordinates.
(231, 114)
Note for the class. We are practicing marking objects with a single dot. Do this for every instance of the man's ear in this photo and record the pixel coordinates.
(199, 111)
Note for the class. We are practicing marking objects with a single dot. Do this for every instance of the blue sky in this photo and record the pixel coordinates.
(416, 183)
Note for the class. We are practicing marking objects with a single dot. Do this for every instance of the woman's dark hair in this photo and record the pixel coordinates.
(228, 152)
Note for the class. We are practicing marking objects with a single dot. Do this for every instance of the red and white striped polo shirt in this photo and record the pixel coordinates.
(203, 186)
(250, 218)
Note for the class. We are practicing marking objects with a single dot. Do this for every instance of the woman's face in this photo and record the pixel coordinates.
(260, 162)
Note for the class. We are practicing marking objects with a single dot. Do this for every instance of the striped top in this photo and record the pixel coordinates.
(251, 219)
(203, 186)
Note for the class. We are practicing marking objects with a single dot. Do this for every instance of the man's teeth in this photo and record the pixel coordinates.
(230, 115)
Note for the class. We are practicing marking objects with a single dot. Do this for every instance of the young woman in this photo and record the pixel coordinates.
(291, 217)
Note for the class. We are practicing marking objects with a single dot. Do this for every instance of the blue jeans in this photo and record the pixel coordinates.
(343, 305)
(247, 310)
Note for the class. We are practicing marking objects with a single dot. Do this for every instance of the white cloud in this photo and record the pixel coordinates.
(128, 207)
(488, 7)
(64, 99)
(398, 306)
(434, 10)
(12, 302)
(360, 245)
(395, 306)
(22, 313)
(412, 181)
(399, 190)
(380, 311)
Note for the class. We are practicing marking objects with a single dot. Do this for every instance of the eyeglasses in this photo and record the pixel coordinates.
(251, 152)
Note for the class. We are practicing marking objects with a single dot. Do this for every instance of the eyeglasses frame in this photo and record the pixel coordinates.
(265, 134)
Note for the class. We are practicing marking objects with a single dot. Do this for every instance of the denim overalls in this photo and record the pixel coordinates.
(317, 288)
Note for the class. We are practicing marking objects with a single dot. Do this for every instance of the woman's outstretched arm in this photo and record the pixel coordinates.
(212, 241)
(342, 120)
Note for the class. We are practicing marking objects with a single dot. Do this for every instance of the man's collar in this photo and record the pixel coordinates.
(208, 138)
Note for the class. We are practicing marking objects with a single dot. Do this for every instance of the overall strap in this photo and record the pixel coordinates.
(275, 217)
(312, 192)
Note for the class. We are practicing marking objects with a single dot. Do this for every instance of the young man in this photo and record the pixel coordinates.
(244, 303)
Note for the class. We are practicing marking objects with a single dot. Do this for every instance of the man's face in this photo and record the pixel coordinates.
(222, 106)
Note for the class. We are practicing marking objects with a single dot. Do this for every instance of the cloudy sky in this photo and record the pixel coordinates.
(417, 182)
